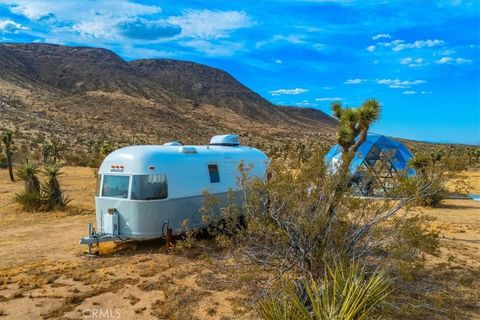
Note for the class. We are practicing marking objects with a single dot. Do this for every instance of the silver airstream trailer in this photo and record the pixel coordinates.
(143, 189)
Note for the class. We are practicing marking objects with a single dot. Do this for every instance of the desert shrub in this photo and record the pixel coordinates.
(434, 170)
(29, 201)
(293, 226)
(408, 249)
(80, 158)
(343, 293)
(294, 221)
(305, 218)
(94, 157)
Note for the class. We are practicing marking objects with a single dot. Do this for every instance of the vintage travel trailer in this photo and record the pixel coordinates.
(142, 190)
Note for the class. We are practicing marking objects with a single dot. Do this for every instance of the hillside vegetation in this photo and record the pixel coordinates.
(82, 95)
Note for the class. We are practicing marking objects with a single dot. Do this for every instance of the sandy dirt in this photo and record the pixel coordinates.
(44, 273)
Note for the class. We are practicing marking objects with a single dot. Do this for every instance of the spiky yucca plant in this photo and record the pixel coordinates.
(52, 194)
(28, 172)
(30, 199)
(345, 293)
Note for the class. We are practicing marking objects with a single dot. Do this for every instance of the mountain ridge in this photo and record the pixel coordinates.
(95, 92)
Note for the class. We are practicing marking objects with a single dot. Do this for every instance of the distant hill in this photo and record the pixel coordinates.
(83, 94)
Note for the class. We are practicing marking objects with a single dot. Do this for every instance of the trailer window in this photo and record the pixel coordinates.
(149, 187)
(115, 186)
(214, 174)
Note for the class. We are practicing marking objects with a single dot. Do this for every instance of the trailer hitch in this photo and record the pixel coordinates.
(94, 239)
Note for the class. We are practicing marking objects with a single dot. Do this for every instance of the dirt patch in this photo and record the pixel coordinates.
(44, 274)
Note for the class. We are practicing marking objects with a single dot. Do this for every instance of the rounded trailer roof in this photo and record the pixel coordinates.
(138, 159)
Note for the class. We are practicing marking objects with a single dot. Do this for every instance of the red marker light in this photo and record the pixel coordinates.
(151, 168)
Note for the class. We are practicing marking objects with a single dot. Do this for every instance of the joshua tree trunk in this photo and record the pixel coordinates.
(9, 163)
(7, 139)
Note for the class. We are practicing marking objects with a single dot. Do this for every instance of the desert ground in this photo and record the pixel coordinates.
(44, 273)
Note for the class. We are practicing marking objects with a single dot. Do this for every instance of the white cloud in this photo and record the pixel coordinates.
(409, 92)
(291, 38)
(462, 60)
(96, 28)
(450, 60)
(371, 48)
(444, 60)
(399, 45)
(354, 81)
(381, 35)
(418, 44)
(288, 91)
(9, 26)
(87, 18)
(329, 99)
(448, 52)
(396, 83)
(278, 61)
(78, 11)
(413, 63)
(210, 24)
(222, 48)
(406, 61)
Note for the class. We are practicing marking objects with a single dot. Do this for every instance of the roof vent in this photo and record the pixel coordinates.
(173, 143)
(225, 140)
(187, 149)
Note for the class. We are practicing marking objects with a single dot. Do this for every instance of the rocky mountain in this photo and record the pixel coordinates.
(82, 94)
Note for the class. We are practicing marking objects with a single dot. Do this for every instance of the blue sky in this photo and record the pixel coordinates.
(420, 59)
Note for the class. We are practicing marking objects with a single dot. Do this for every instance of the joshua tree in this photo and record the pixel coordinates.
(7, 140)
(106, 148)
(354, 125)
(57, 148)
(353, 130)
(52, 150)
(46, 152)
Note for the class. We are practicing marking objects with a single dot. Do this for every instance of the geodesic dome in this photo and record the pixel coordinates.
(379, 158)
